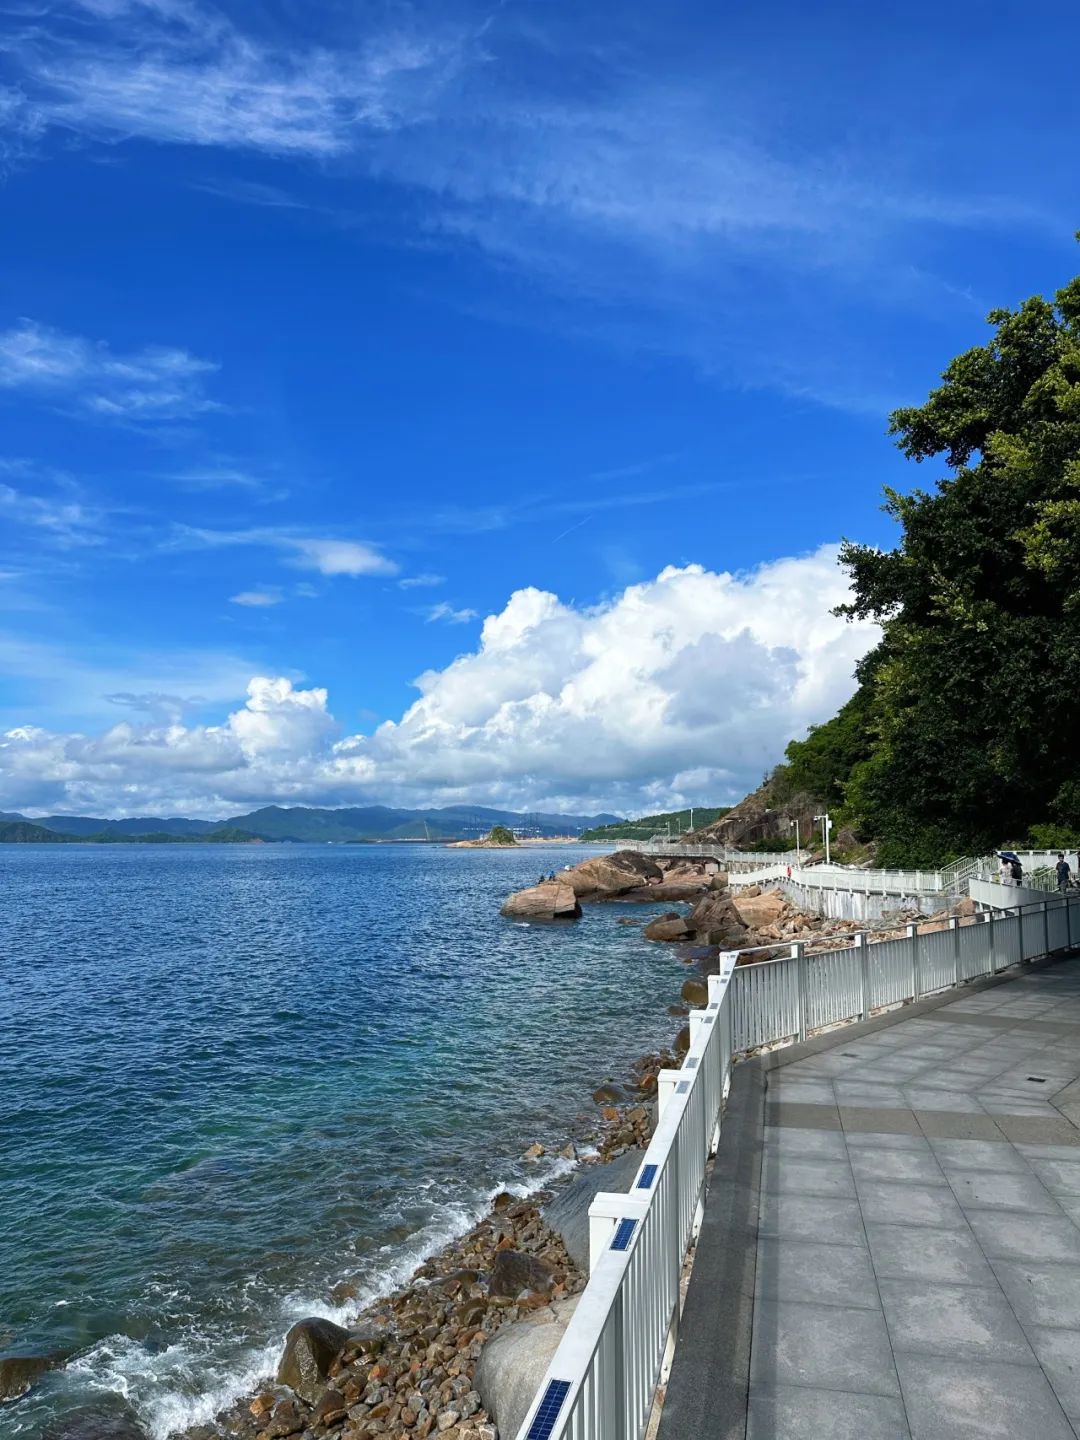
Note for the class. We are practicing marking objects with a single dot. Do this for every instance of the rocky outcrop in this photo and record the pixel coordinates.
(764, 908)
(670, 890)
(18, 1373)
(109, 1420)
(568, 1213)
(514, 1363)
(609, 875)
(551, 901)
(311, 1347)
(714, 920)
(668, 928)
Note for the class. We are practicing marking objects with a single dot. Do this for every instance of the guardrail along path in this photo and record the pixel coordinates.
(915, 1263)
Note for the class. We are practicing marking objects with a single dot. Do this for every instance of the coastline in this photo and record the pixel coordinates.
(424, 1337)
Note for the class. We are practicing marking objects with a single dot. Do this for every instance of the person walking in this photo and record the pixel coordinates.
(1064, 874)
(1004, 871)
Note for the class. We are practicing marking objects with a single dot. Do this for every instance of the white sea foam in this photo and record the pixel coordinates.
(190, 1382)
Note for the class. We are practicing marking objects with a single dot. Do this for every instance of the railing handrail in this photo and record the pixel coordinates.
(601, 1381)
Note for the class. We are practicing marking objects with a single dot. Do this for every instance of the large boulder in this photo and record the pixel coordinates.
(670, 890)
(568, 1213)
(668, 927)
(311, 1347)
(514, 1361)
(612, 874)
(714, 920)
(514, 1273)
(760, 910)
(550, 901)
(18, 1373)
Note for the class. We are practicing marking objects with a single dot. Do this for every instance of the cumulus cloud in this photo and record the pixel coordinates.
(154, 384)
(683, 688)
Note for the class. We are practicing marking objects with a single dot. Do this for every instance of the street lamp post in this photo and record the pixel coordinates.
(826, 826)
(798, 846)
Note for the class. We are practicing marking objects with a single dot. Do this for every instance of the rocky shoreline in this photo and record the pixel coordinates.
(412, 1363)
(459, 1350)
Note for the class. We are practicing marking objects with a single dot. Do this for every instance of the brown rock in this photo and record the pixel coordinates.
(761, 910)
(18, 1373)
(330, 1409)
(550, 901)
(669, 928)
(514, 1273)
(695, 992)
(714, 920)
(261, 1405)
(311, 1347)
(611, 874)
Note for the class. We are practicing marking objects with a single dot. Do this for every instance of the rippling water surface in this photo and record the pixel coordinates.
(234, 1079)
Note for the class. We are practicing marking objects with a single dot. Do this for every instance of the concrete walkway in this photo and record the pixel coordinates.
(891, 1245)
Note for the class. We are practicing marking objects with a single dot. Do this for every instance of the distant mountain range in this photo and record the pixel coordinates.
(303, 824)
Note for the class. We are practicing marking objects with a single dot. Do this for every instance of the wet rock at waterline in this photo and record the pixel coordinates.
(311, 1347)
(18, 1373)
(695, 992)
(550, 901)
(667, 928)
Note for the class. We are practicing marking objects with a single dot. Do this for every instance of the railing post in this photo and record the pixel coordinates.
(991, 920)
(1046, 927)
(1068, 920)
(666, 1080)
(913, 934)
(605, 1212)
(798, 954)
(954, 926)
(864, 974)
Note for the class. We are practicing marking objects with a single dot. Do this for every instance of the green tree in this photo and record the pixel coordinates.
(970, 701)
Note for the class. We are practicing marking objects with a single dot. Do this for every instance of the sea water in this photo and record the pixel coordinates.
(244, 1084)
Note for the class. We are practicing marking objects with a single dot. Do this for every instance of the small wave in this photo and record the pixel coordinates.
(188, 1383)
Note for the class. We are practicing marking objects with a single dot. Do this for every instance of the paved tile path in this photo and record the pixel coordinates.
(918, 1230)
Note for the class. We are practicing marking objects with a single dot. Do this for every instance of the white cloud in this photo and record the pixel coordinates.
(256, 598)
(340, 557)
(154, 384)
(328, 556)
(184, 74)
(421, 582)
(683, 688)
(66, 522)
(447, 613)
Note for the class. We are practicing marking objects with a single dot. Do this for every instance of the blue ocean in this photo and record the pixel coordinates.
(244, 1084)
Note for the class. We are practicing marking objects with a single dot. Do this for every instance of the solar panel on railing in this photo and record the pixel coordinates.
(648, 1175)
(624, 1233)
(544, 1419)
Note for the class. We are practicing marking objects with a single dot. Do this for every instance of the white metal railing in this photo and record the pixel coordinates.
(832, 877)
(601, 1382)
(617, 1347)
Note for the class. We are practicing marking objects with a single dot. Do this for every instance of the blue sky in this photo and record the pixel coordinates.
(337, 341)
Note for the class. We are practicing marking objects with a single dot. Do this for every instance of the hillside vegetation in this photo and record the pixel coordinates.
(647, 826)
(963, 732)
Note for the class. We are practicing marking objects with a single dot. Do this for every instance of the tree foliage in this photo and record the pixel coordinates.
(964, 733)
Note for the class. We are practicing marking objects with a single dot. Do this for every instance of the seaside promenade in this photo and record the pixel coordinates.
(891, 1239)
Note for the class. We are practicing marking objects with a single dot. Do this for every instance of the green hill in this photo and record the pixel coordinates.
(962, 734)
(25, 832)
(675, 822)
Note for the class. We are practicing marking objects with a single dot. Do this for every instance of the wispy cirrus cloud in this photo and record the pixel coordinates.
(143, 387)
(183, 73)
(49, 502)
(257, 599)
(449, 616)
(328, 556)
(425, 581)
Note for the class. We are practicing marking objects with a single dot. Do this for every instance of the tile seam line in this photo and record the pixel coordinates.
(877, 1284)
